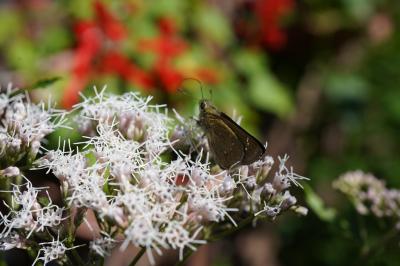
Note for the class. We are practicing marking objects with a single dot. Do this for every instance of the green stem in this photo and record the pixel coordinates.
(138, 256)
(368, 251)
(244, 223)
(189, 252)
(69, 262)
(77, 258)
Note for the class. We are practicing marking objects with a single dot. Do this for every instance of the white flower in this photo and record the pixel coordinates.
(10, 171)
(103, 245)
(284, 177)
(50, 216)
(287, 201)
(270, 211)
(369, 194)
(138, 120)
(24, 124)
(50, 251)
(124, 175)
(209, 207)
(178, 237)
(22, 219)
(143, 233)
(228, 185)
(84, 183)
(27, 214)
(12, 240)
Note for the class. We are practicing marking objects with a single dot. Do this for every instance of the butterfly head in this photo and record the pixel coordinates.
(206, 107)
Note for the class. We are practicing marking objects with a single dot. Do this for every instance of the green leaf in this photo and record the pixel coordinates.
(22, 55)
(43, 83)
(171, 8)
(250, 62)
(54, 39)
(360, 10)
(44, 201)
(81, 9)
(213, 25)
(265, 91)
(346, 86)
(10, 24)
(40, 84)
(317, 205)
(268, 94)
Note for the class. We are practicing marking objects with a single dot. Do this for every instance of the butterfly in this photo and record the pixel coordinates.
(229, 143)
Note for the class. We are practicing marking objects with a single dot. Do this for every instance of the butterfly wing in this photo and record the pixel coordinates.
(225, 146)
(252, 148)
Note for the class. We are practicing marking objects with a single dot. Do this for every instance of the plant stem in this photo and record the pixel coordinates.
(77, 258)
(138, 256)
(234, 229)
(217, 237)
(369, 251)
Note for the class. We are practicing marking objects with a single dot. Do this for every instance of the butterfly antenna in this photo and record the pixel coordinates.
(198, 81)
(182, 90)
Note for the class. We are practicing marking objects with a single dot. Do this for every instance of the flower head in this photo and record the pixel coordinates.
(369, 194)
(130, 173)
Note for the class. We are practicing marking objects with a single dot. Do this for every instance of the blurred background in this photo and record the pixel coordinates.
(317, 79)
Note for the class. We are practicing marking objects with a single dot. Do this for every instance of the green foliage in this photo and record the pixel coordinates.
(44, 201)
(213, 25)
(354, 123)
(317, 205)
(265, 91)
(43, 83)
(9, 26)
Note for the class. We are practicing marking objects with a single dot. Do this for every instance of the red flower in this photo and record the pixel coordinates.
(259, 22)
(90, 36)
(167, 46)
(167, 26)
(71, 93)
(88, 45)
(109, 24)
(169, 77)
(114, 62)
(269, 12)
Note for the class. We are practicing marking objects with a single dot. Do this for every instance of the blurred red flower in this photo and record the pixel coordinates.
(88, 45)
(90, 53)
(259, 22)
(270, 12)
(167, 46)
(115, 63)
(108, 23)
(97, 52)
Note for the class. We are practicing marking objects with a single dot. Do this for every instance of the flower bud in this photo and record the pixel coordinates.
(10, 171)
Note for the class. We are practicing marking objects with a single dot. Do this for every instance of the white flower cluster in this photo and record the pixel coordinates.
(142, 190)
(23, 125)
(156, 204)
(50, 251)
(269, 198)
(26, 216)
(369, 194)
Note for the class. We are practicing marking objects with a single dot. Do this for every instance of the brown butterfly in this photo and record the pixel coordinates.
(229, 143)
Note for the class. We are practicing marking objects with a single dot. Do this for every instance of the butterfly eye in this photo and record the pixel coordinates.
(202, 105)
